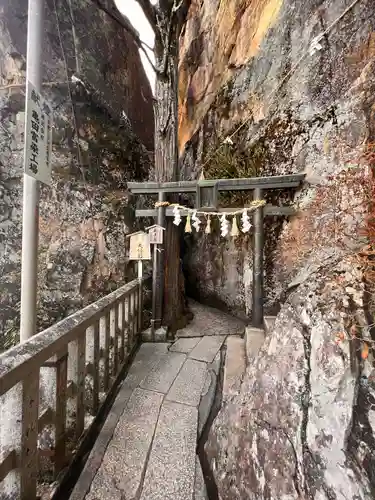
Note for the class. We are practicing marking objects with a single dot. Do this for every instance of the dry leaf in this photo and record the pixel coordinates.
(365, 351)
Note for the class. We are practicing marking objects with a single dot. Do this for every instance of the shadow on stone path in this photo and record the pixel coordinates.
(146, 449)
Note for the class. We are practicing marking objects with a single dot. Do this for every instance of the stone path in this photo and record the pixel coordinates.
(147, 447)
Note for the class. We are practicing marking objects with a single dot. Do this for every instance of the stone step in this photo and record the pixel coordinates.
(269, 323)
(170, 472)
(254, 339)
(234, 367)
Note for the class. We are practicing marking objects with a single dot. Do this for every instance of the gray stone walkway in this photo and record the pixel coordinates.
(147, 447)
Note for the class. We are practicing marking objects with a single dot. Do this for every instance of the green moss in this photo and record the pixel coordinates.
(231, 161)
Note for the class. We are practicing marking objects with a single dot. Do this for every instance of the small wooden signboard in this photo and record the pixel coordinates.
(139, 246)
(156, 235)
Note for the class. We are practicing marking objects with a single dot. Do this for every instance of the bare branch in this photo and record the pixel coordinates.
(150, 13)
(147, 56)
(124, 23)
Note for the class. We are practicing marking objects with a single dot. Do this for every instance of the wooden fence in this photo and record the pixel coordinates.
(52, 386)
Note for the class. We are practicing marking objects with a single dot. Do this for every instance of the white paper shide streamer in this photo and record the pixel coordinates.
(245, 219)
(177, 216)
(196, 221)
(224, 227)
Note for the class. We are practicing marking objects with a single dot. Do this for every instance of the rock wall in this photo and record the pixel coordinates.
(246, 63)
(302, 425)
(103, 127)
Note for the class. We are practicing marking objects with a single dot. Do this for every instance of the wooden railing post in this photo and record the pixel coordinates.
(131, 318)
(29, 438)
(140, 306)
(107, 342)
(120, 322)
(77, 374)
(114, 336)
(96, 374)
(127, 321)
(60, 415)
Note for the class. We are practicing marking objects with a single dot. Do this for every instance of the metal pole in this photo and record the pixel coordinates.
(258, 245)
(30, 217)
(158, 275)
(154, 288)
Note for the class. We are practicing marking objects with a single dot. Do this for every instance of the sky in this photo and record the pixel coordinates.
(133, 12)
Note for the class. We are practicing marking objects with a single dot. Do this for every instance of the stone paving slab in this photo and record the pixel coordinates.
(207, 348)
(148, 452)
(97, 453)
(185, 344)
(170, 473)
(162, 374)
(146, 358)
(187, 388)
(210, 321)
(122, 468)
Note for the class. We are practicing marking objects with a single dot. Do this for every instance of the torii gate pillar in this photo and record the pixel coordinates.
(258, 251)
(158, 271)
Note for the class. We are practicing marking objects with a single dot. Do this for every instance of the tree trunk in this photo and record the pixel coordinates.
(166, 169)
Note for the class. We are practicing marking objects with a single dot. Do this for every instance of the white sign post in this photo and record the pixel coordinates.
(139, 249)
(30, 210)
(156, 235)
(38, 136)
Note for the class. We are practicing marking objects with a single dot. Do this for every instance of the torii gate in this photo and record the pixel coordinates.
(206, 192)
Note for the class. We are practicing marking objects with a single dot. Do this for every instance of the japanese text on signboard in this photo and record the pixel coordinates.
(38, 136)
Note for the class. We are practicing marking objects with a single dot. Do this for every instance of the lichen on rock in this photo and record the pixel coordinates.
(103, 131)
(302, 425)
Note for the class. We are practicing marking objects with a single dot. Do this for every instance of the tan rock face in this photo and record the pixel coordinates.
(303, 423)
(292, 112)
(84, 215)
(219, 37)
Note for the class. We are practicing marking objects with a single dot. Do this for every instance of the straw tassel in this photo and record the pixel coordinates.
(188, 224)
(208, 226)
(235, 231)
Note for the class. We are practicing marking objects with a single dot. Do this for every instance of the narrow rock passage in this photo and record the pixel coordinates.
(147, 447)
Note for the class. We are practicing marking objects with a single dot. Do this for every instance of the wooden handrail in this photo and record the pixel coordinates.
(108, 331)
(17, 362)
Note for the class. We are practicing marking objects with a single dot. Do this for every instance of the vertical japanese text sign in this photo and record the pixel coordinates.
(38, 136)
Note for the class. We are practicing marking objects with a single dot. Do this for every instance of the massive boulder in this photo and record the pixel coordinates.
(102, 137)
(246, 67)
(302, 425)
